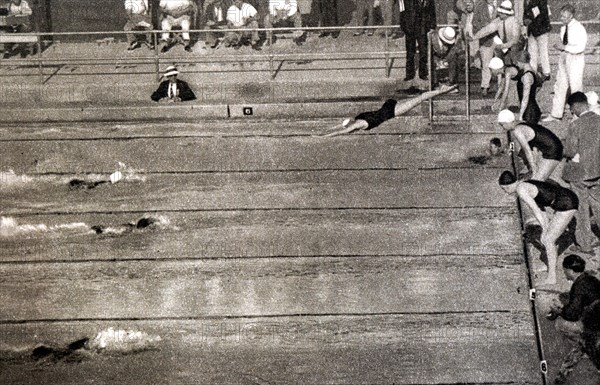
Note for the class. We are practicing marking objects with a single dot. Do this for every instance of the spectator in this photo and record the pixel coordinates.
(582, 148)
(507, 29)
(282, 13)
(484, 14)
(444, 47)
(537, 196)
(22, 10)
(216, 13)
(571, 62)
(465, 26)
(571, 306)
(417, 20)
(362, 7)
(172, 90)
(537, 20)
(242, 15)
(391, 10)
(533, 136)
(177, 13)
(329, 17)
(138, 19)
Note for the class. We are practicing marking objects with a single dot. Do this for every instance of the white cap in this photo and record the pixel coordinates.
(506, 8)
(447, 35)
(346, 122)
(506, 116)
(592, 98)
(496, 63)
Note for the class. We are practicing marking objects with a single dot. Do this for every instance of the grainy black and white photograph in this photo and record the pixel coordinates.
(311, 192)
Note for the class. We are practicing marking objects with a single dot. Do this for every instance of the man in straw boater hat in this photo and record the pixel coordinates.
(445, 48)
(506, 31)
(172, 89)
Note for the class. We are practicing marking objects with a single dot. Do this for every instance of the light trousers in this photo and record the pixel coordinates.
(569, 76)
(538, 51)
(169, 22)
(486, 54)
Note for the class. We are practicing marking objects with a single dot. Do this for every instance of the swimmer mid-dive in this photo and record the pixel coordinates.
(390, 109)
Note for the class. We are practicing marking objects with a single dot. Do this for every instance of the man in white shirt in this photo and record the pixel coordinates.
(571, 62)
(177, 13)
(242, 15)
(22, 10)
(281, 13)
(138, 19)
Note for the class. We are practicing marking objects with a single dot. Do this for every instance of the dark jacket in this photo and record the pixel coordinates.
(481, 18)
(185, 92)
(584, 291)
(418, 17)
(539, 25)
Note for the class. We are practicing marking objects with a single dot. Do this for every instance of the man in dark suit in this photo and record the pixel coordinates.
(417, 20)
(172, 89)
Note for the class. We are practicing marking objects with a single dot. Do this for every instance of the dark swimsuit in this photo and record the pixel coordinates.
(532, 113)
(375, 118)
(551, 194)
(545, 141)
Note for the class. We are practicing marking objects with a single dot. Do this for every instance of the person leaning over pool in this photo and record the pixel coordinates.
(390, 109)
(538, 196)
(534, 136)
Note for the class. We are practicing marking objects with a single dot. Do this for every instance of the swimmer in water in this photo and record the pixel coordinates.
(390, 109)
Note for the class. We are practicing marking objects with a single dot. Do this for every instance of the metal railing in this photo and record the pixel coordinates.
(271, 54)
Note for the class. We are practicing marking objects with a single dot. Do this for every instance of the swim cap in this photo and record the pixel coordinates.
(506, 116)
(346, 122)
(506, 177)
(496, 63)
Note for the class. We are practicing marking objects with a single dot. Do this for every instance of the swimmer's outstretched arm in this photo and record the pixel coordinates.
(407, 105)
(400, 109)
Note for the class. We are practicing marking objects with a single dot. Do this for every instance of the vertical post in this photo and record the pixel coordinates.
(156, 55)
(271, 64)
(388, 67)
(430, 72)
(39, 60)
(467, 78)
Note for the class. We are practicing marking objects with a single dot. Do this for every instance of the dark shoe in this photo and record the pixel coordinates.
(298, 41)
(424, 77)
(134, 45)
(187, 48)
(24, 53)
(397, 35)
(335, 34)
(547, 77)
(256, 46)
(325, 34)
(408, 78)
(167, 47)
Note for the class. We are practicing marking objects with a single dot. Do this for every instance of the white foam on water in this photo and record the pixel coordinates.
(9, 227)
(10, 178)
(124, 341)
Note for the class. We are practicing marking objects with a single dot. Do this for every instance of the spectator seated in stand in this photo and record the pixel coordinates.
(282, 13)
(21, 11)
(216, 19)
(138, 19)
(242, 15)
(177, 13)
(172, 90)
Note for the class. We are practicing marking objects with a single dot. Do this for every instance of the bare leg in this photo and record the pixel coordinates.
(544, 169)
(557, 226)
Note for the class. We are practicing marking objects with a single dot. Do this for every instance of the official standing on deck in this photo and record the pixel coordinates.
(571, 62)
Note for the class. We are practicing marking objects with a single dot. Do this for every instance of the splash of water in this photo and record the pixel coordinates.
(9, 227)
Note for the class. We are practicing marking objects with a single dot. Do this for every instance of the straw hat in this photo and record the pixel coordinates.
(170, 71)
(506, 116)
(506, 8)
(447, 35)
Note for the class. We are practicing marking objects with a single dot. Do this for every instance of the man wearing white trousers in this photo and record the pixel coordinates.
(176, 13)
(570, 63)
